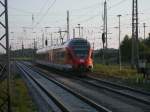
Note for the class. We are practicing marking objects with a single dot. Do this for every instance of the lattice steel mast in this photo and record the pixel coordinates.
(135, 40)
(5, 36)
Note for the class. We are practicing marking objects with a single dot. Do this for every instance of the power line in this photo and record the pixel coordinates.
(25, 11)
(20, 10)
(42, 8)
(40, 20)
(88, 19)
(93, 17)
(117, 4)
(87, 7)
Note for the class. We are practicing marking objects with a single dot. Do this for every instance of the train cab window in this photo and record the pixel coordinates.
(80, 48)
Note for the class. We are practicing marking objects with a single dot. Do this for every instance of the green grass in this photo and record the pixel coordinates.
(114, 71)
(126, 76)
(3, 90)
(21, 99)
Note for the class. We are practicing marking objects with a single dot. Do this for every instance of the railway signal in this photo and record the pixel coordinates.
(46, 42)
(103, 39)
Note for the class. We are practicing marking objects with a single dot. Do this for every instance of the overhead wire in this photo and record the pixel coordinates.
(117, 4)
(30, 12)
(87, 7)
(45, 14)
(87, 19)
(42, 8)
(20, 10)
(93, 17)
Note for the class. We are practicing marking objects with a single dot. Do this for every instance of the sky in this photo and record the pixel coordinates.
(28, 19)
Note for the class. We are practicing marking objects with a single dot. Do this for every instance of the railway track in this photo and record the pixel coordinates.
(65, 98)
(138, 95)
(109, 99)
(142, 97)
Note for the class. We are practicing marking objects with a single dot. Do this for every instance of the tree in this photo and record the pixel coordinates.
(147, 41)
(147, 48)
(126, 46)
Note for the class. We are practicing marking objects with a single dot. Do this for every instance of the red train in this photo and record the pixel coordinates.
(76, 54)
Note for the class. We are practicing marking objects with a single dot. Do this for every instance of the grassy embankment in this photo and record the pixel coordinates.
(2, 93)
(21, 100)
(125, 75)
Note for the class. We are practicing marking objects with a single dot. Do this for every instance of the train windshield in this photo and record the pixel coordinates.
(80, 47)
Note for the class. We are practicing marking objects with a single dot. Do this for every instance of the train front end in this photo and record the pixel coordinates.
(81, 54)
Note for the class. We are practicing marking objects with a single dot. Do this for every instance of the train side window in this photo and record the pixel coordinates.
(62, 54)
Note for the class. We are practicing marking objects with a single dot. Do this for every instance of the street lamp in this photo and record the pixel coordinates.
(119, 43)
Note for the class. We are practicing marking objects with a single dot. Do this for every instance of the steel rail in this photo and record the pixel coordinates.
(121, 86)
(83, 98)
(113, 90)
(117, 91)
(58, 103)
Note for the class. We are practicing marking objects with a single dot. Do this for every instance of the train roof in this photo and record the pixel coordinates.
(78, 40)
(64, 45)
